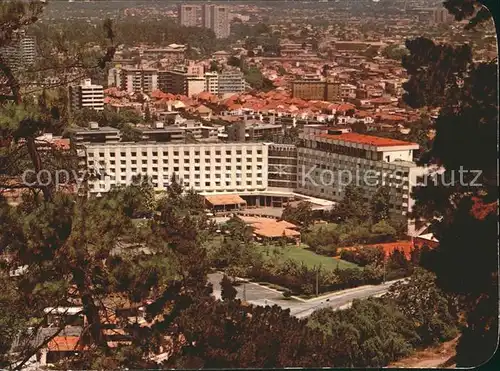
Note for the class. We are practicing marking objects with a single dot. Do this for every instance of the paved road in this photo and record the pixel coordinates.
(262, 295)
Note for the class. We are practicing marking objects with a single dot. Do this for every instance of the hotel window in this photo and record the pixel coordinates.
(133, 162)
(165, 153)
(123, 154)
(228, 153)
(176, 153)
(155, 154)
(217, 153)
(186, 168)
(133, 154)
(207, 153)
(112, 154)
(165, 169)
(249, 151)
(134, 169)
(91, 154)
(186, 153)
(197, 153)
(144, 153)
(207, 168)
(196, 168)
(238, 152)
(207, 184)
(112, 162)
(144, 162)
(259, 151)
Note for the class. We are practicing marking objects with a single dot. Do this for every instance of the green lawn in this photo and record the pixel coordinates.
(324, 227)
(309, 257)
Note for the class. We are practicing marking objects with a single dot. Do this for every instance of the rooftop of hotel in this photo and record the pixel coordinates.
(367, 139)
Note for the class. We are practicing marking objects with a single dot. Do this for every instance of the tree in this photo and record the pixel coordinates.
(301, 215)
(228, 292)
(234, 61)
(138, 199)
(147, 114)
(463, 213)
(229, 335)
(24, 118)
(434, 312)
(371, 333)
(214, 66)
(383, 232)
(380, 204)
(352, 206)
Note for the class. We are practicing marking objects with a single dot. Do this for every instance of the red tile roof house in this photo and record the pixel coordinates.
(59, 348)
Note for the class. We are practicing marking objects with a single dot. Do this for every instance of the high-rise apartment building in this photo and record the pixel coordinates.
(219, 21)
(187, 15)
(21, 53)
(231, 81)
(185, 80)
(206, 16)
(87, 95)
(136, 80)
(212, 82)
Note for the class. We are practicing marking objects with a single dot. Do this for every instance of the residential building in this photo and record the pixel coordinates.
(441, 15)
(160, 133)
(316, 90)
(187, 15)
(347, 91)
(219, 21)
(21, 52)
(212, 82)
(27, 46)
(253, 130)
(294, 49)
(114, 77)
(185, 80)
(93, 134)
(329, 160)
(87, 95)
(231, 81)
(139, 80)
(208, 168)
(173, 53)
(206, 16)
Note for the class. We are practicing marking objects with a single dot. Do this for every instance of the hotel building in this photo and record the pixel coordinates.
(328, 160)
(207, 168)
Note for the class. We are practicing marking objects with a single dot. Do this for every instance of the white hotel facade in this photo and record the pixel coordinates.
(328, 160)
(207, 168)
(324, 163)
